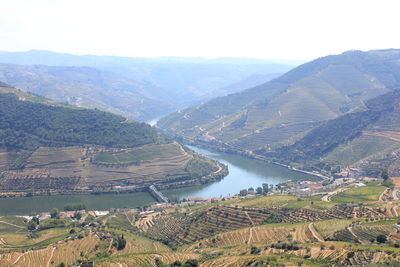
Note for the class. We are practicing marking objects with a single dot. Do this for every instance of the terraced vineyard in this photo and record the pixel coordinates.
(71, 251)
(181, 229)
(261, 234)
(146, 259)
(243, 232)
(186, 229)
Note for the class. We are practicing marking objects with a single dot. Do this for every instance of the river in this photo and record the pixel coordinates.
(243, 173)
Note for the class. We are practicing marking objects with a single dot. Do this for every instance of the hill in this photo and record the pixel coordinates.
(256, 231)
(45, 145)
(368, 137)
(283, 110)
(144, 88)
(90, 88)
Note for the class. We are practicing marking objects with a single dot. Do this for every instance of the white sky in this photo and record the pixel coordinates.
(278, 29)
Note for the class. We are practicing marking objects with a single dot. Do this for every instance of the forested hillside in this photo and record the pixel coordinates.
(45, 145)
(27, 125)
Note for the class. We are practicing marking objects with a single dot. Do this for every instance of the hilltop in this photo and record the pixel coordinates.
(48, 146)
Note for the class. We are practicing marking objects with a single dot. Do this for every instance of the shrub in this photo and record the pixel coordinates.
(381, 239)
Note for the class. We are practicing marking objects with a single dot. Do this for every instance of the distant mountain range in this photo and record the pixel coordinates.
(263, 119)
(139, 88)
(91, 88)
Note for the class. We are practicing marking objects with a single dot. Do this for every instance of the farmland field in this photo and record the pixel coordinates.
(359, 194)
(147, 152)
(326, 228)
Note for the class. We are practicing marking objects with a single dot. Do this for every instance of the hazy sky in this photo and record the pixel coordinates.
(279, 29)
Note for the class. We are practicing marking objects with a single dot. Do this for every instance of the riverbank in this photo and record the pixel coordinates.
(221, 147)
(176, 183)
(243, 173)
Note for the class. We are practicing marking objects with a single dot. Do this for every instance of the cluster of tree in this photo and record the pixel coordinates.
(52, 223)
(284, 245)
(33, 223)
(28, 125)
(119, 242)
(200, 166)
(188, 263)
(74, 206)
(259, 190)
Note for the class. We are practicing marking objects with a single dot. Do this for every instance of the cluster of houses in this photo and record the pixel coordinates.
(346, 177)
(68, 214)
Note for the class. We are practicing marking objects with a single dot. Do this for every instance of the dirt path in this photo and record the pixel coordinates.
(110, 246)
(51, 256)
(19, 257)
(315, 233)
(395, 193)
(327, 198)
(396, 213)
(250, 236)
(129, 220)
(383, 194)
(18, 226)
(252, 223)
(355, 236)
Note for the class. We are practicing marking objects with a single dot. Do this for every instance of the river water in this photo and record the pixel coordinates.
(243, 173)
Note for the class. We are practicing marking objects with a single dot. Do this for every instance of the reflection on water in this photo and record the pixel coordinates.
(243, 173)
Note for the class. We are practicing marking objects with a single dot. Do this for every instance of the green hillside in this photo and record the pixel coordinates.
(283, 110)
(48, 146)
(28, 125)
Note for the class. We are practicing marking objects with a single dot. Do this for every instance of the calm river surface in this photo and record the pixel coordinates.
(243, 173)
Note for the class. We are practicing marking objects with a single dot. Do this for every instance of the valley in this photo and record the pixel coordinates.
(275, 120)
(51, 148)
(199, 133)
(255, 172)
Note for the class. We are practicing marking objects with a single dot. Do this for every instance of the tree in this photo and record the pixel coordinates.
(243, 192)
(120, 242)
(54, 213)
(385, 175)
(32, 225)
(78, 215)
(36, 219)
(265, 188)
(191, 263)
(61, 264)
(381, 239)
(254, 250)
(259, 190)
